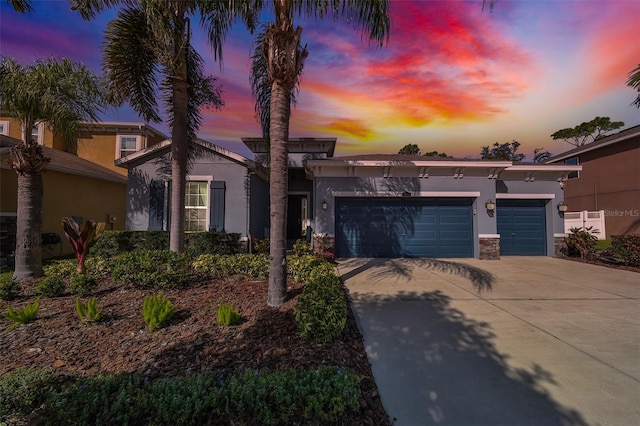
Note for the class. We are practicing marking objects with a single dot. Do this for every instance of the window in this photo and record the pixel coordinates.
(37, 133)
(127, 144)
(573, 162)
(4, 128)
(195, 205)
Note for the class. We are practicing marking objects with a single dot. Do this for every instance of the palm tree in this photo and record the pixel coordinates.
(21, 6)
(284, 57)
(61, 94)
(147, 50)
(634, 82)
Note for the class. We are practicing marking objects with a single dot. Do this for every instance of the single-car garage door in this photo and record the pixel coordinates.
(404, 227)
(522, 227)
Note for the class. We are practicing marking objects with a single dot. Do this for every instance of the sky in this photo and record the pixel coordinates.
(452, 77)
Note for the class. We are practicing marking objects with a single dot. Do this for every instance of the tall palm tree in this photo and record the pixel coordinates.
(148, 49)
(284, 58)
(634, 82)
(21, 6)
(61, 94)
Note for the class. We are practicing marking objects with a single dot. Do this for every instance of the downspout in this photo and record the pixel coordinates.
(248, 215)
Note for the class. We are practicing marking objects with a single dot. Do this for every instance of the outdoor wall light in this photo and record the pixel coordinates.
(324, 205)
(562, 207)
(490, 205)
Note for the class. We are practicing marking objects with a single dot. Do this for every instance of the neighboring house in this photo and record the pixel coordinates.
(225, 191)
(101, 143)
(609, 180)
(73, 187)
(364, 206)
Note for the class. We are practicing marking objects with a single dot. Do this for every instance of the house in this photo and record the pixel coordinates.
(225, 191)
(609, 180)
(363, 206)
(73, 187)
(101, 142)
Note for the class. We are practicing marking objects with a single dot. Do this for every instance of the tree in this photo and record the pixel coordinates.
(540, 156)
(148, 50)
(634, 82)
(594, 129)
(283, 58)
(505, 151)
(21, 6)
(436, 154)
(409, 149)
(61, 94)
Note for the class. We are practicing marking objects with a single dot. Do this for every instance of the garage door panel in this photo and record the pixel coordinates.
(396, 227)
(522, 227)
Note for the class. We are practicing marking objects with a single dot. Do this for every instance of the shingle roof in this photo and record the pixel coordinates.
(607, 140)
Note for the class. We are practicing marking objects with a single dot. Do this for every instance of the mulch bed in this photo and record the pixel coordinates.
(603, 262)
(192, 343)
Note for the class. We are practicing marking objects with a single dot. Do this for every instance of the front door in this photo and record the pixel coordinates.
(296, 218)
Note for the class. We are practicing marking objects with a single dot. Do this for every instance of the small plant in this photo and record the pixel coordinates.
(302, 248)
(627, 248)
(157, 311)
(9, 288)
(83, 285)
(261, 246)
(81, 241)
(22, 316)
(227, 315)
(88, 312)
(51, 286)
(581, 242)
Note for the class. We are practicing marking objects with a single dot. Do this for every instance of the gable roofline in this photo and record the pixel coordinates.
(64, 162)
(621, 136)
(295, 145)
(122, 126)
(166, 146)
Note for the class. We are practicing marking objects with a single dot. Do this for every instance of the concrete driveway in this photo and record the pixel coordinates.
(518, 341)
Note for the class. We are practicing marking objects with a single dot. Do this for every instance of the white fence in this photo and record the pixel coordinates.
(586, 219)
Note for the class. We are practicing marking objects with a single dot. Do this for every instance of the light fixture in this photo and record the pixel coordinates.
(562, 207)
(324, 205)
(490, 205)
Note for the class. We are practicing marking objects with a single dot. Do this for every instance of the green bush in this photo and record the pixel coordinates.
(220, 266)
(83, 285)
(261, 246)
(62, 268)
(149, 269)
(321, 311)
(157, 311)
(227, 315)
(197, 243)
(88, 312)
(50, 286)
(580, 242)
(627, 248)
(23, 391)
(302, 248)
(300, 268)
(9, 288)
(22, 315)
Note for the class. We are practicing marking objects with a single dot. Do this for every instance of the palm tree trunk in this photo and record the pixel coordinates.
(28, 255)
(278, 188)
(179, 143)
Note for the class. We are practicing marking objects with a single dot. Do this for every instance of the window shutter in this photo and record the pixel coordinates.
(216, 207)
(156, 205)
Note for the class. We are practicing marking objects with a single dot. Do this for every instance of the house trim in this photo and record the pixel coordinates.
(525, 196)
(5, 127)
(465, 194)
(601, 143)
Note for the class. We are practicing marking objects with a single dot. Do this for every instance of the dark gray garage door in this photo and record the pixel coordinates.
(522, 227)
(404, 227)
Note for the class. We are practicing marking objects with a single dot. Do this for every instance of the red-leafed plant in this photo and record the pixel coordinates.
(81, 241)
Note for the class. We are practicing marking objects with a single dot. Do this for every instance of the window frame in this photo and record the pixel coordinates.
(39, 135)
(119, 149)
(5, 127)
(570, 162)
(207, 208)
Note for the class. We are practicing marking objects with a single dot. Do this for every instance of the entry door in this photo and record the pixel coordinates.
(522, 227)
(296, 216)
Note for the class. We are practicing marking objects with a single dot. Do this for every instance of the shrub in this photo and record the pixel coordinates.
(227, 315)
(581, 242)
(22, 391)
(51, 286)
(148, 269)
(300, 268)
(302, 248)
(83, 285)
(219, 266)
(24, 315)
(261, 246)
(9, 288)
(157, 311)
(321, 312)
(627, 248)
(197, 243)
(65, 268)
(88, 312)
(82, 240)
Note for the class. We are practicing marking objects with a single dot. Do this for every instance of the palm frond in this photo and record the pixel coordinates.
(21, 6)
(88, 9)
(634, 82)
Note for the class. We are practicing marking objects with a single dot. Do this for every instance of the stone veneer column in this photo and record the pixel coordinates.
(489, 248)
(559, 244)
(323, 243)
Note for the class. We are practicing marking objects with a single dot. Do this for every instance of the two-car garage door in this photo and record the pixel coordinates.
(404, 227)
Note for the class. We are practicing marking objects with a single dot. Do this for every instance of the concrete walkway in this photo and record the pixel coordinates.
(519, 341)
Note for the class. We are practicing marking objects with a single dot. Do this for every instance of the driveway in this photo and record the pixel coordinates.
(517, 341)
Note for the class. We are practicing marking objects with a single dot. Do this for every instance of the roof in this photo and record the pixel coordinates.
(163, 147)
(621, 136)
(64, 162)
(122, 127)
(295, 145)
